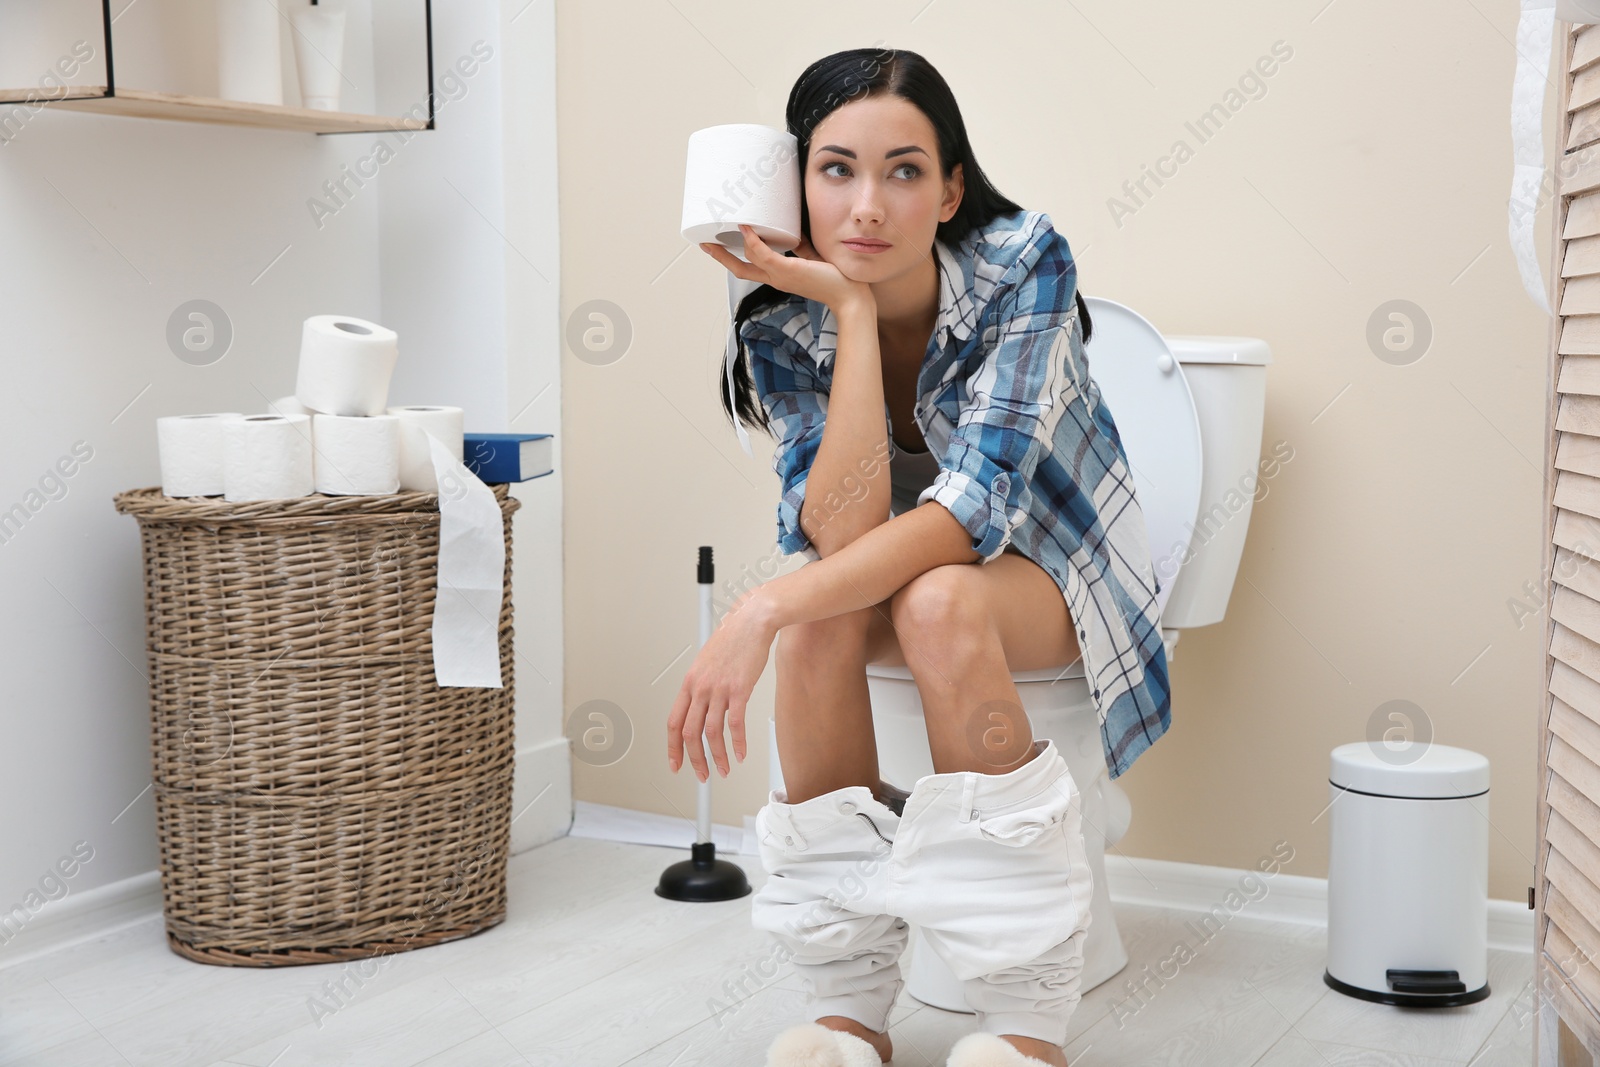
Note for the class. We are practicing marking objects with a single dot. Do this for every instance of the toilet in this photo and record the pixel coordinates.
(1189, 410)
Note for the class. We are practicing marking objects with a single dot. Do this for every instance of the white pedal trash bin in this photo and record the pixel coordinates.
(1408, 874)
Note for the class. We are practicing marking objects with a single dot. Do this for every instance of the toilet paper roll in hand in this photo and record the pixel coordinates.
(742, 173)
(345, 365)
(190, 449)
(266, 457)
(356, 454)
(417, 423)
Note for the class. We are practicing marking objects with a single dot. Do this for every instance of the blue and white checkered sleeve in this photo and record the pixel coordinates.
(1018, 395)
(796, 403)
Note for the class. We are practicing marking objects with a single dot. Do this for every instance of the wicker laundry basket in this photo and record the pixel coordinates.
(318, 796)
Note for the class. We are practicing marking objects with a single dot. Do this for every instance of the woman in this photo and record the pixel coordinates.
(929, 321)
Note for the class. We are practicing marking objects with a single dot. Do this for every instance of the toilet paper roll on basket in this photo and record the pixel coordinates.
(418, 422)
(356, 454)
(265, 457)
(345, 365)
(191, 453)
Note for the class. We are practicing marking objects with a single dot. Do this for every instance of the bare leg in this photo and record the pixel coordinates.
(822, 713)
(963, 630)
(824, 722)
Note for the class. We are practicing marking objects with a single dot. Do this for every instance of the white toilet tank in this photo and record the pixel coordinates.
(1227, 377)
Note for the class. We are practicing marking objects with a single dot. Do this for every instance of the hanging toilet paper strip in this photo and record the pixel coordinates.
(1528, 92)
(472, 564)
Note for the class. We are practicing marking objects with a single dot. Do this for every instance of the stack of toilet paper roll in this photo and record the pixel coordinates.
(335, 435)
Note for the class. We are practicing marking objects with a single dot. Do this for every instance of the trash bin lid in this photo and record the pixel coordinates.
(1421, 770)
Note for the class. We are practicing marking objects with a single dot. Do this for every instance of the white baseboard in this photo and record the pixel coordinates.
(84, 916)
(1292, 898)
(541, 794)
(607, 822)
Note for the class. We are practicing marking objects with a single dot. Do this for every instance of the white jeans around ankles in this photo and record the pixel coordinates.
(991, 867)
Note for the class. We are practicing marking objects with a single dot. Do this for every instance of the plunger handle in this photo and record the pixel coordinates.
(706, 574)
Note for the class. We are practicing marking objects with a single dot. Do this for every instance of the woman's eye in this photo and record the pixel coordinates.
(915, 170)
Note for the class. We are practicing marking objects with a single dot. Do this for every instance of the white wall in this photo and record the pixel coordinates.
(106, 226)
(469, 266)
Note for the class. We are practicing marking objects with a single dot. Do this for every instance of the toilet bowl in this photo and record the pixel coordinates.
(1189, 411)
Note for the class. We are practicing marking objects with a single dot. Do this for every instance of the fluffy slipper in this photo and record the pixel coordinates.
(814, 1045)
(989, 1050)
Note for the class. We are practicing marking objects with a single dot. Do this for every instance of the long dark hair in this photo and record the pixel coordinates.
(822, 88)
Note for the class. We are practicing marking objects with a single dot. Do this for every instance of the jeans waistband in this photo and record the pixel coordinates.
(838, 812)
(832, 819)
(976, 790)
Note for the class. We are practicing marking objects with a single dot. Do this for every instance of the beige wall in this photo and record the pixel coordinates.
(1383, 558)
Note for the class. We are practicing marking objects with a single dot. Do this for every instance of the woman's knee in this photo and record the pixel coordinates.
(942, 603)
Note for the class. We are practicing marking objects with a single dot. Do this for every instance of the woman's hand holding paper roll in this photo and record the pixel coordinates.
(804, 274)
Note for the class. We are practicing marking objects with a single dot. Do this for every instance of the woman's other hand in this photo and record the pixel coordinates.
(804, 274)
(718, 686)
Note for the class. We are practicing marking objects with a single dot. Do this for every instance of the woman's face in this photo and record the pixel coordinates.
(873, 173)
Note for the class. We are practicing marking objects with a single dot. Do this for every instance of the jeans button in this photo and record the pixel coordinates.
(847, 806)
(788, 840)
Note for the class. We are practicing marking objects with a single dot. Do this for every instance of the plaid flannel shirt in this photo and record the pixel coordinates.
(1029, 454)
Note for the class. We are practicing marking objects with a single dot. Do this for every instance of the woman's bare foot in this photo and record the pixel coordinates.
(880, 1042)
(1039, 1050)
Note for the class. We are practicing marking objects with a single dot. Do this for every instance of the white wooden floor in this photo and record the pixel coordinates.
(592, 969)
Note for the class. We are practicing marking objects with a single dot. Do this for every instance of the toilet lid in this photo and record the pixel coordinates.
(1143, 386)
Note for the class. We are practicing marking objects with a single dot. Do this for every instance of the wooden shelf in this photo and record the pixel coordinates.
(142, 103)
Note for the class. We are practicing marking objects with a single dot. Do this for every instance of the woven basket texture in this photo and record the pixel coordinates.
(319, 797)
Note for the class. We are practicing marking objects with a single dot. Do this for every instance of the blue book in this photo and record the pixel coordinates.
(508, 457)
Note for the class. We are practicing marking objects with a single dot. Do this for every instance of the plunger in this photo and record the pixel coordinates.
(703, 877)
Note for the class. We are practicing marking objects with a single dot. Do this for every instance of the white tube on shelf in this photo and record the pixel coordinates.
(249, 57)
(319, 56)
